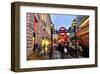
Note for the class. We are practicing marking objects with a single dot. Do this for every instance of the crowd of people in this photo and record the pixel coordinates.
(70, 47)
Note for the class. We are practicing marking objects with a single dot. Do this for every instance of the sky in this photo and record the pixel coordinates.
(62, 20)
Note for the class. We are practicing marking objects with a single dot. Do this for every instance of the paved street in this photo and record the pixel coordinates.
(34, 57)
(56, 55)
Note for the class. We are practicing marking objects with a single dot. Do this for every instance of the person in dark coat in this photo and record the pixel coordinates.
(61, 49)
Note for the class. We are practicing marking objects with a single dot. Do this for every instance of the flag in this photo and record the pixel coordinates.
(34, 24)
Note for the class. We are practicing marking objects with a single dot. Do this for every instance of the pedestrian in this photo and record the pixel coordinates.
(65, 49)
(62, 50)
(72, 47)
(50, 53)
(35, 47)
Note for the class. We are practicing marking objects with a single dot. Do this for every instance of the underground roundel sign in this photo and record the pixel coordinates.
(62, 31)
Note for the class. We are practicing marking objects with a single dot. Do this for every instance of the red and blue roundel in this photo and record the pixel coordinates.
(62, 31)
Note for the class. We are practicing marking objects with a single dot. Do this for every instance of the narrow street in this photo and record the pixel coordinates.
(57, 36)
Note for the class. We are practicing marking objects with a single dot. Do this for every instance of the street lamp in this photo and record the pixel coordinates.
(74, 23)
(33, 43)
(51, 51)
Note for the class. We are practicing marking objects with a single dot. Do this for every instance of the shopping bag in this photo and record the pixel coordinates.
(65, 50)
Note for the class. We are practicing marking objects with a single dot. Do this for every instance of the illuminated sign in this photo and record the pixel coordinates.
(62, 31)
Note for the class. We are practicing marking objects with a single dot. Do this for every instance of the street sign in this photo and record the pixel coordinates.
(62, 31)
(71, 30)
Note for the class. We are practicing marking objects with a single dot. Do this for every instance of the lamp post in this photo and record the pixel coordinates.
(51, 51)
(33, 42)
(74, 23)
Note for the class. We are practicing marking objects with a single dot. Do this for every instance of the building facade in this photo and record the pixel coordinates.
(83, 33)
(79, 20)
(38, 28)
